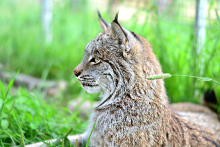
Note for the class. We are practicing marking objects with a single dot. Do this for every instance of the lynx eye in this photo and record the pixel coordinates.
(95, 60)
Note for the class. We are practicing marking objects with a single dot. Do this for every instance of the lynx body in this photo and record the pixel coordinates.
(135, 111)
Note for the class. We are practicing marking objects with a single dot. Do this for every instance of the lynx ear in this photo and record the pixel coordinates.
(117, 32)
(104, 25)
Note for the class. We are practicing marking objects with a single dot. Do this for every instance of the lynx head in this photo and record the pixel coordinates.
(115, 61)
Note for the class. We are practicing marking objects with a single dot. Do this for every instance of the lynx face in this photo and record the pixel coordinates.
(115, 61)
(98, 71)
(94, 72)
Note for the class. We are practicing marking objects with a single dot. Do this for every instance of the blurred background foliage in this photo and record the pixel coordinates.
(49, 44)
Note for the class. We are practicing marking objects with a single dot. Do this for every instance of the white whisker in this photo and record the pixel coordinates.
(102, 84)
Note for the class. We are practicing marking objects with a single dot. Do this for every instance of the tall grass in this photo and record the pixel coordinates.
(173, 41)
(22, 47)
(27, 113)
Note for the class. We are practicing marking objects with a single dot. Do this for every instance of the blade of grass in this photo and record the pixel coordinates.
(167, 75)
(160, 76)
(17, 122)
(9, 114)
(68, 132)
(22, 140)
(11, 83)
(13, 144)
(11, 136)
(2, 144)
(43, 135)
(216, 81)
(199, 78)
(58, 141)
(87, 144)
(76, 143)
(3, 97)
(63, 142)
(2, 90)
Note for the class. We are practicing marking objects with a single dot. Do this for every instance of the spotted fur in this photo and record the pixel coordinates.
(135, 111)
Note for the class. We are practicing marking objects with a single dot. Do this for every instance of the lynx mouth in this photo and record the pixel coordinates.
(88, 85)
(91, 87)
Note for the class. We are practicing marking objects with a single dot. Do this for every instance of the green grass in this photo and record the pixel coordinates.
(22, 47)
(27, 113)
(26, 118)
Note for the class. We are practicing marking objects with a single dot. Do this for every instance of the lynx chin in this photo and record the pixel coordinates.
(135, 111)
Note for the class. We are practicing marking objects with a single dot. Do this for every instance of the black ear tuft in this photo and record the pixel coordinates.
(99, 13)
(117, 31)
(104, 25)
(116, 18)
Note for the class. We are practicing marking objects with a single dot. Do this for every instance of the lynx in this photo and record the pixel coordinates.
(135, 111)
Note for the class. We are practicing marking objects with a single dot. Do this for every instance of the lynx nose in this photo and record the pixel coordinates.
(77, 72)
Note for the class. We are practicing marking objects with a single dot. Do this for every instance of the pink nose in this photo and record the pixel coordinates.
(77, 72)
